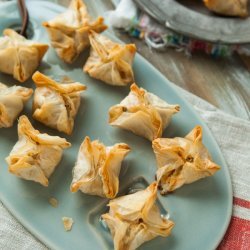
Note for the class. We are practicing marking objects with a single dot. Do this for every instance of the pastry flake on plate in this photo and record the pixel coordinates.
(68, 31)
(109, 61)
(67, 223)
(56, 104)
(143, 113)
(53, 202)
(182, 160)
(35, 155)
(135, 218)
(12, 100)
(97, 169)
(18, 56)
(228, 7)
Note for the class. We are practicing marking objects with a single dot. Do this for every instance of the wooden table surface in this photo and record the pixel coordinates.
(224, 83)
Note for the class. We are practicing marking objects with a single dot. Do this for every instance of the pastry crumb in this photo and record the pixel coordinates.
(68, 223)
(53, 202)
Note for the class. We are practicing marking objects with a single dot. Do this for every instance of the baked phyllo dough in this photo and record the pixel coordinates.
(35, 155)
(12, 102)
(18, 56)
(143, 113)
(228, 7)
(68, 31)
(98, 167)
(110, 62)
(182, 160)
(135, 218)
(56, 104)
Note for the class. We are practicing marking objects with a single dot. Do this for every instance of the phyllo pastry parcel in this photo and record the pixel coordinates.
(228, 7)
(35, 155)
(98, 167)
(143, 113)
(12, 100)
(135, 218)
(56, 104)
(18, 56)
(68, 31)
(109, 61)
(182, 160)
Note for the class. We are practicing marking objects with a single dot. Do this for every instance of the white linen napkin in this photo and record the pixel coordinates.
(231, 133)
(122, 16)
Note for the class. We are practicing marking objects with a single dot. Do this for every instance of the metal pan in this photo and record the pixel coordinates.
(197, 24)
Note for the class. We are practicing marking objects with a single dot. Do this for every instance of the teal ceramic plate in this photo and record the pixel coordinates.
(201, 211)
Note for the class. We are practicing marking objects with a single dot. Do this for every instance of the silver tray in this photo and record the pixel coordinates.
(193, 21)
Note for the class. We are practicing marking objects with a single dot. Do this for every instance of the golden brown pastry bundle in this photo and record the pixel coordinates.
(12, 102)
(18, 56)
(228, 7)
(135, 218)
(56, 104)
(35, 156)
(143, 113)
(97, 168)
(68, 31)
(110, 62)
(182, 160)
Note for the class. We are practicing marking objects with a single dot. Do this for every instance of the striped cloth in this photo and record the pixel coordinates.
(233, 136)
